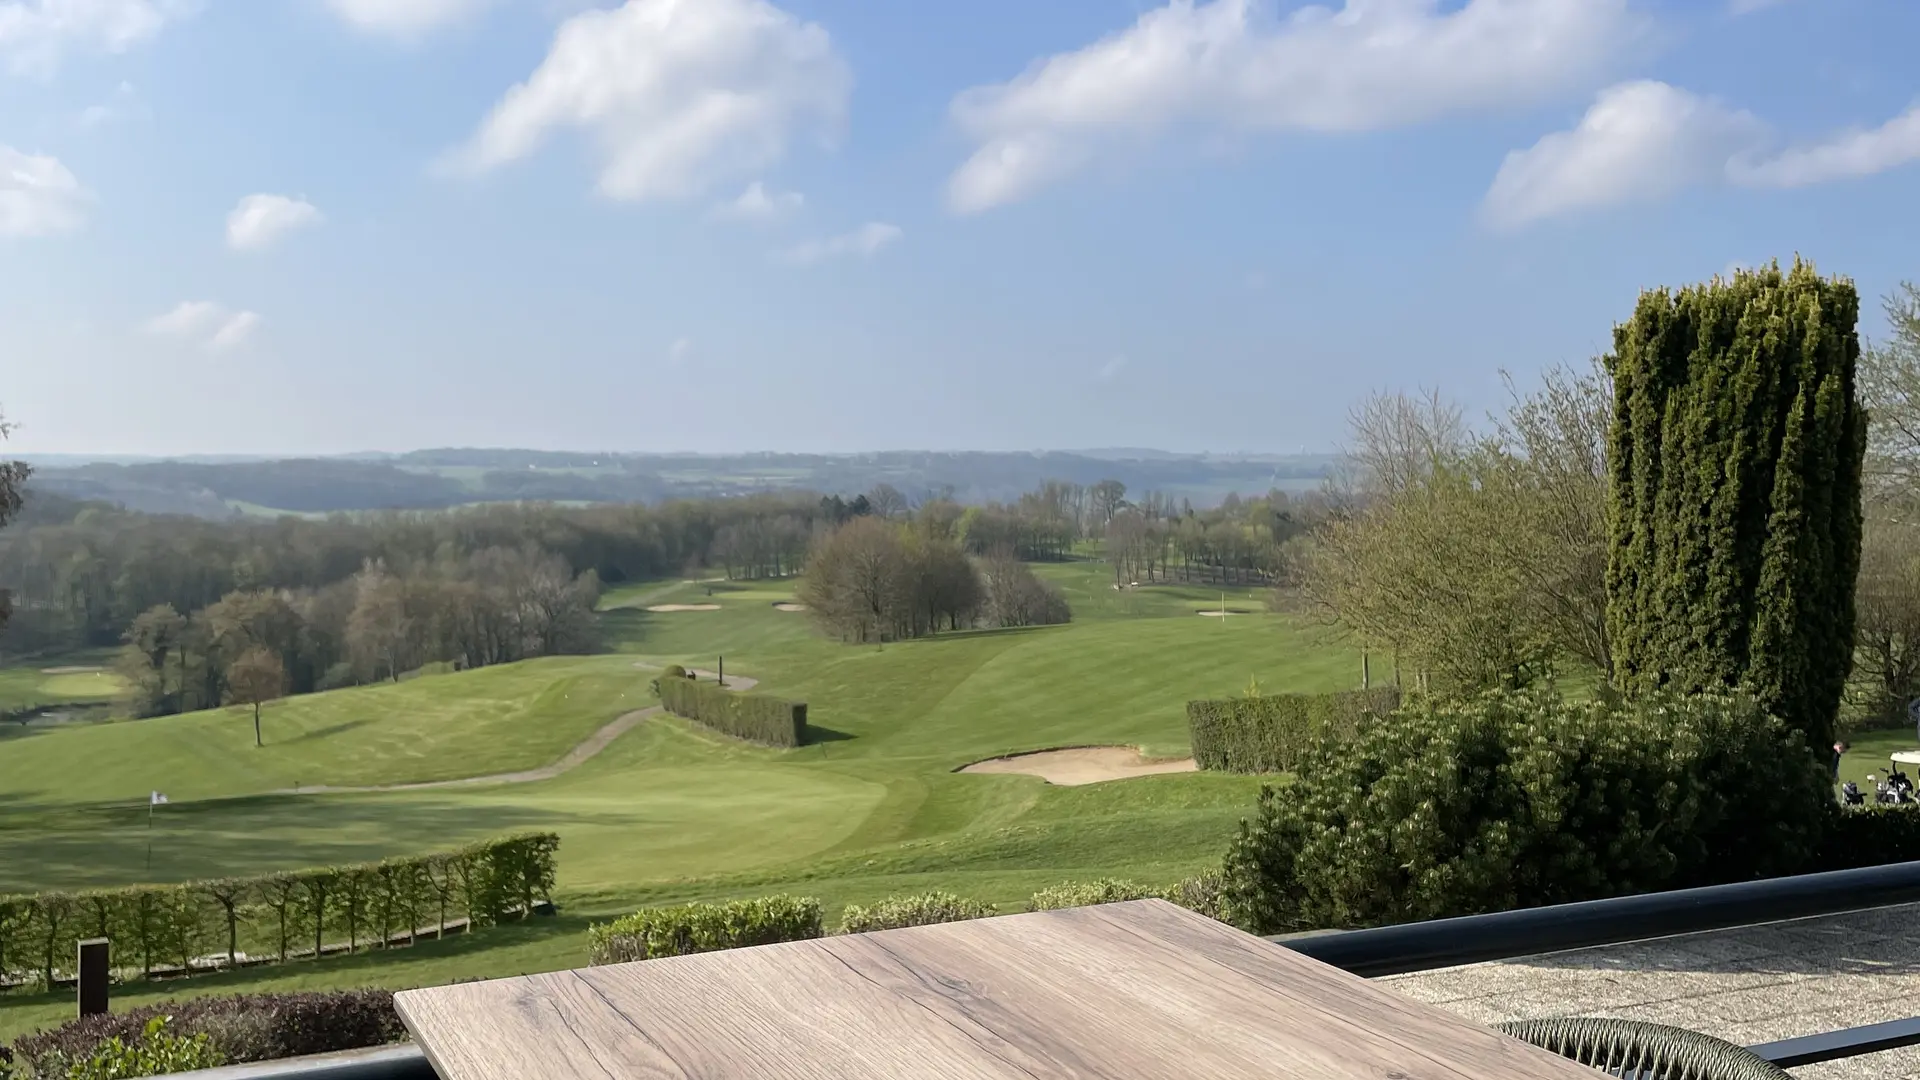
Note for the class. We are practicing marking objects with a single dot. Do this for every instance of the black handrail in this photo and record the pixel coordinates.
(1473, 939)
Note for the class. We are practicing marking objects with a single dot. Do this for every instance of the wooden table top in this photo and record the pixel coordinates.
(1135, 991)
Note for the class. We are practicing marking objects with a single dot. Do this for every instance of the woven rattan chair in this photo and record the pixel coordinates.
(1637, 1050)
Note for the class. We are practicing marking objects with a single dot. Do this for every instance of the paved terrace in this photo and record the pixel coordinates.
(1749, 985)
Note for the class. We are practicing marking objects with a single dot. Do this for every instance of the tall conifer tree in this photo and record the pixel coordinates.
(1735, 456)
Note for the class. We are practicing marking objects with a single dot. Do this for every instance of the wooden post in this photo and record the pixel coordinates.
(93, 977)
(723, 671)
(1366, 669)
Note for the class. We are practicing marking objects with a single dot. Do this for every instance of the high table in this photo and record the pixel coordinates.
(1132, 991)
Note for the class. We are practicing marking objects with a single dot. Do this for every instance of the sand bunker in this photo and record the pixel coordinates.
(1085, 765)
(685, 607)
(789, 607)
(72, 670)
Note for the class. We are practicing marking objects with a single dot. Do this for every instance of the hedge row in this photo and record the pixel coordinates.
(759, 718)
(1276, 733)
(155, 926)
(698, 928)
(240, 1027)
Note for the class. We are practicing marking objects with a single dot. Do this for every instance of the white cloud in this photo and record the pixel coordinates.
(125, 104)
(678, 352)
(866, 241)
(405, 18)
(234, 332)
(1644, 141)
(36, 34)
(1640, 141)
(679, 95)
(38, 195)
(1236, 65)
(1843, 156)
(259, 220)
(1748, 7)
(758, 204)
(1112, 368)
(213, 325)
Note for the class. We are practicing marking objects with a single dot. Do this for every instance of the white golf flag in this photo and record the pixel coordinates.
(158, 799)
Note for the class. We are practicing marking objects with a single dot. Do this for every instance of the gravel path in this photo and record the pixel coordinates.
(574, 758)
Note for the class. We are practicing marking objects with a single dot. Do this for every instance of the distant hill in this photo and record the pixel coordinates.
(441, 478)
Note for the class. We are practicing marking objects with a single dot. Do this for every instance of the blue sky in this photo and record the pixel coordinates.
(311, 226)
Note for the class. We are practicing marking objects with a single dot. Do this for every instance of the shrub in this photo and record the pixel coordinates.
(759, 718)
(240, 1028)
(1276, 733)
(1512, 800)
(673, 671)
(923, 909)
(1072, 894)
(1870, 835)
(698, 928)
(1203, 893)
(155, 1053)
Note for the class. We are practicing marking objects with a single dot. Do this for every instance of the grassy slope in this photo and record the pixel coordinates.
(669, 812)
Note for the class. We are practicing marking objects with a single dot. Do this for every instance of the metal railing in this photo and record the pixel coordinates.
(1423, 946)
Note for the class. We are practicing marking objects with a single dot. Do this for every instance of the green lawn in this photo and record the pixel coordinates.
(78, 678)
(669, 812)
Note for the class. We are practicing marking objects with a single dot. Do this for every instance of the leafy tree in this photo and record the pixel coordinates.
(256, 678)
(1735, 461)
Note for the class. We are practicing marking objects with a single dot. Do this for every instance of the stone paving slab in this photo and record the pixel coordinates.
(1749, 985)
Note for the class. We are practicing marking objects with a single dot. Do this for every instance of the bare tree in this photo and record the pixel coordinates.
(13, 479)
(1889, 387)
(1887, 603)
(887, 502)
(1400, 440)
(256, 678)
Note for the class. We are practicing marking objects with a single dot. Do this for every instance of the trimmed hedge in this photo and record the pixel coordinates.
(311, 911)
(693, 928)
(922, 909)
(242, 1027)
(1277, 732)
(1870, 835)
(698, 928)
(1087, 893)
(759, 718)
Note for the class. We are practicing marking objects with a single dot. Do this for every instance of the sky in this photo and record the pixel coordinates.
(321, 226)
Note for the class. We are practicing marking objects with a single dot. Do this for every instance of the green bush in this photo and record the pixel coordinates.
(1511, 800)
(1072, 894)
(698, 928)
(1203, 893)
(1276, 733)
(759, 718)
(156, 1052)
(277, 915)
(240, 1027)
(923, 909)
(1870, 835)
(673, 671)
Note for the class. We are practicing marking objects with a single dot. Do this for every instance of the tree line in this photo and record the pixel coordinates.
(873, 579)
(251, 646)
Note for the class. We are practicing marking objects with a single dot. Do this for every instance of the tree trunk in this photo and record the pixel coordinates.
(256, 723)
